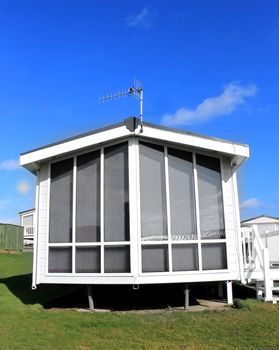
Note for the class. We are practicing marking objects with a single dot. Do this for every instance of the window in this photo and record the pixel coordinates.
(170, 195)
(88, 259)
(185, 257)
(116, 191)
(117, 259)
(98, 174)
(60, 259)
(88, 198)
(182, 201)
(214, 256)
(152, 193)
(180, 207)
(61, 198)
(27, 220)
(210, 198)
(116, 213)
(155, 258)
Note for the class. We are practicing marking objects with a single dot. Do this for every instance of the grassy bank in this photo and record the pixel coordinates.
(25, 324)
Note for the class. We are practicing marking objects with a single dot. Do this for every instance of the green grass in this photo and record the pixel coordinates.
(24, 324)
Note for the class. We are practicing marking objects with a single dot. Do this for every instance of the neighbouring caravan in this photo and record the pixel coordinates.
(27, 221)
(125, 205)
(268, 229)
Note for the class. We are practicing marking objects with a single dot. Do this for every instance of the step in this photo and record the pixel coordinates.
(275, 288)
(273, 300)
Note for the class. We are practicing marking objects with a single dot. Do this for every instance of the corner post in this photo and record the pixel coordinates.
(90, 297)
(186, 294)
(229, 293)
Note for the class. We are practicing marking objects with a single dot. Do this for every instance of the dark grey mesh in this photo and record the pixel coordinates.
(155, 258)
(116, 214)
(61, 190)
(88, 259)
(214, 256)
(88, 198)
(185, 257)
(210, 198)
(152, 192)
(182, 201)
(60, 259)
(117, 259)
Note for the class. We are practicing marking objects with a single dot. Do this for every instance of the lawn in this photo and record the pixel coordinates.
(25, 324)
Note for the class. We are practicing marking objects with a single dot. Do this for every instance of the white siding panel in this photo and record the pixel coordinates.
(43, 200)
(230, 220)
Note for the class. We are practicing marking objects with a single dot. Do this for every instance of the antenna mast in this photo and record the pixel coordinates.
(136, 91)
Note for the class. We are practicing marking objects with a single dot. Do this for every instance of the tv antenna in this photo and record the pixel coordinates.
(136, 91)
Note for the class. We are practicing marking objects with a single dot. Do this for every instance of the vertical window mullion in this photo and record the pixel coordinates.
(132, 161)
(139, 249)
(168, 207)
(197, 210)
(102, 209)
(74, 215)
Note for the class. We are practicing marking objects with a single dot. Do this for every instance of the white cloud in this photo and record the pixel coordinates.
(10, 164)
(143, 19)
(233, 96)
(23, 187)
(250, 203)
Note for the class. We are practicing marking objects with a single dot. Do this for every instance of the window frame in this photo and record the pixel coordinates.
(102, 243)
(135, 241)
(199, 241)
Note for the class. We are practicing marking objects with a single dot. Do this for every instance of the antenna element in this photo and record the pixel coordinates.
(136, 91)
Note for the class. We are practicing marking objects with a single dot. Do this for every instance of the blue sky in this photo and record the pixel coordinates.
(206, 66)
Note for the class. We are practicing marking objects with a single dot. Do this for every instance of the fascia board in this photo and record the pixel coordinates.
(221, 146)
(72, 146)
(32, 159)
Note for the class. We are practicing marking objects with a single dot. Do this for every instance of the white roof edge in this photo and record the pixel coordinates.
(71, 145)
(198, 141)
(237, 151)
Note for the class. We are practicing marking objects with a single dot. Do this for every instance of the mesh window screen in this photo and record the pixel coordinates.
(182, 201)
(88, 259)
(210, 198)
(117, 259)
(61, 189)
(60, 260)
(152, 192)
(155, 258)
(88, 198)
(116, 193)
(214, 256)
(185, 257)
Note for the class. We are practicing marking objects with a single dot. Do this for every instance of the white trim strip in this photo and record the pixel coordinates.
(167, 184)
(74, 211)
(102, 219)
(197, 210)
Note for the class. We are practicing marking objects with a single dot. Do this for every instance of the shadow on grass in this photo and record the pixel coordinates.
(113, 297)
(20, 286)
